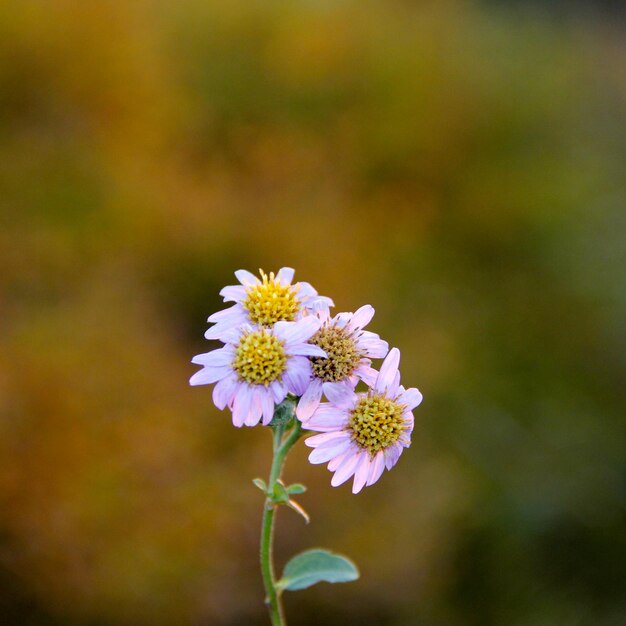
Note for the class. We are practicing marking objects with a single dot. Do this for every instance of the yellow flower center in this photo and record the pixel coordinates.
(260, 358)
(342, 351)
(271, 302)
(376, 423)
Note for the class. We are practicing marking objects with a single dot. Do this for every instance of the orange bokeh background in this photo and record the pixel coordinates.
(458, 165)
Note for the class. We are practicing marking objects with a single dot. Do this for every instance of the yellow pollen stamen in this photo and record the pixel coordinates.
(260, 358)
(376, 423)
(271, 302)
(343, 354)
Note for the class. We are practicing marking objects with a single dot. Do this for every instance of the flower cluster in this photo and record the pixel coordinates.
(278, 339)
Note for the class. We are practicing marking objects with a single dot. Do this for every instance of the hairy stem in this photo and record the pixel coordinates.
(281, 448)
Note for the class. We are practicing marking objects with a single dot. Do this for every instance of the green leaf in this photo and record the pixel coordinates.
(314, 566)
(280, 494)
(296, 488)
(260, 483)
(284, 412)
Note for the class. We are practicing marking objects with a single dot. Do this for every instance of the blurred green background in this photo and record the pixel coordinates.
(458, 165)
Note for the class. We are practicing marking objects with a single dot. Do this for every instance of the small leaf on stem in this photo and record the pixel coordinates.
(296, 488)
(260, 483)
(284, 412)
(313, 566)
(280, 495)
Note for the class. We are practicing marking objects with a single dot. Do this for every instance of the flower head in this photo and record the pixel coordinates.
(348, 349)
(258, 367)
(362, 433)
(265, 301)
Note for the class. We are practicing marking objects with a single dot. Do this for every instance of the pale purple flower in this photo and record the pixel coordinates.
(265, 301)
(349, 349)
(364, 433)
(258, 367)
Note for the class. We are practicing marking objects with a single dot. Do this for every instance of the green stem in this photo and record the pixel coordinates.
(281, 448)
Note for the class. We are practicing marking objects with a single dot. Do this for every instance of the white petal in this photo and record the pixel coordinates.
(267, 407)
(241, 404)
(279, 391)
(339, 459)
(310, 400)
(361, 473)
(392, 390)
(307, 349)
(341, 320)
(227, 331)
(297, 332)
(362, 317)
(305, 290)
(298, 375)
(367, 374)
(345, 470)
(376, 468)
(372, 344)
(325, 438)
(234, 312)
(224, 390)
(392, 454)
(285, 275)
(411, 397)
(215, 358)
(233, 293)
(388, 371)
(326, 418)
(321, 309)
(208, 375)
(409, 422)
(343, 396)
(342, 388)
(323, 454)
(255, 411)
(314, 301)
(246, 278)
